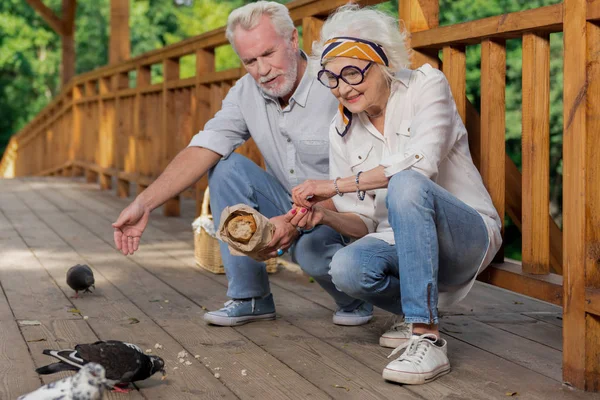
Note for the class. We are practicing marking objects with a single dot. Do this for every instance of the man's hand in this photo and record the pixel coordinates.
(283, 237)
(305, 218)
(129, 227)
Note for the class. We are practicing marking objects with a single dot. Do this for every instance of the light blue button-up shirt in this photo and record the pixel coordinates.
(294, 141)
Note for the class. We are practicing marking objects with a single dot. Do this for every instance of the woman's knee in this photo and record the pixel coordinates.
(405, 189)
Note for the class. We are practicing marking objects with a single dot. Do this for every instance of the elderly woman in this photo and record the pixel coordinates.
(403, 181)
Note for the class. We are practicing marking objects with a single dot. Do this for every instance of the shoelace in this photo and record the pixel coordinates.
(415, 348)
(231, 304)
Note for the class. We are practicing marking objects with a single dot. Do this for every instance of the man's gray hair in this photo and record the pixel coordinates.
(248, 17)
(365, 23)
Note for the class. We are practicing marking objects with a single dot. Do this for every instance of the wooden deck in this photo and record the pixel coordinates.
(500, 344)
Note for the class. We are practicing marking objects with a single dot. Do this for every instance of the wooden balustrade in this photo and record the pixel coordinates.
(105, 127)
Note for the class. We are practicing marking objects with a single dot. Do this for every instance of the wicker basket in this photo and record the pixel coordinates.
(206, 247)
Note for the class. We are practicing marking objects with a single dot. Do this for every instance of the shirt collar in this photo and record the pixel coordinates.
(404, 76)
(300, 96)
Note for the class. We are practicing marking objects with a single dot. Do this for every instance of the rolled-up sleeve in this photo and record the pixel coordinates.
(227, 130)
(434, 129)
(339, 166)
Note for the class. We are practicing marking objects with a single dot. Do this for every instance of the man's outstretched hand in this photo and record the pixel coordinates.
(129, 227)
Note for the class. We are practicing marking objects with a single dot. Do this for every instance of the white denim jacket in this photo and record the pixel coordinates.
(423, 132)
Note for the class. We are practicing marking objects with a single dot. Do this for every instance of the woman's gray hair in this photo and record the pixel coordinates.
(365, 23)
(248, 17)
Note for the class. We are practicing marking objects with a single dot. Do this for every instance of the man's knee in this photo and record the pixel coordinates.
(228, 170)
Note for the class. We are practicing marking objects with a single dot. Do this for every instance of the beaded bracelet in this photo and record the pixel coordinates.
(359, 193)
(337, 190)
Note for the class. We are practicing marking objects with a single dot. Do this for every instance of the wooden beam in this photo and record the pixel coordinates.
(536, 153)
(119, 31)
(48, 15)
(69, 7)
(509, 275)
(420, 15)
(575, 134)
(311, 30)
(454, 67)
(492, 137)
(512, 25)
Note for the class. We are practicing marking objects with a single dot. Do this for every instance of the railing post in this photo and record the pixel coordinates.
(120, 81)
(171, 73)
(492, 142)
(106, 133)
(581, 198)
(455, 69)
(138, 145)
(205, 63)
(536, 153)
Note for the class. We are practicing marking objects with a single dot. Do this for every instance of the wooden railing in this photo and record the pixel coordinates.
(105, 127)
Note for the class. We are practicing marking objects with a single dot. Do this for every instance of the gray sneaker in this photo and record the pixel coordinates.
(239, 312)
(359, 316)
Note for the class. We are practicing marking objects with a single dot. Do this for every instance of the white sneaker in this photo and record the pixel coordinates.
(422, 361)
(397, 335)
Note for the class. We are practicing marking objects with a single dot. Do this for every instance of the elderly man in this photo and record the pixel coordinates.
(287, 113)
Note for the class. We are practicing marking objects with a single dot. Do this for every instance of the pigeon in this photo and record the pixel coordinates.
(87, 384)
(124, 362)
(80, 277)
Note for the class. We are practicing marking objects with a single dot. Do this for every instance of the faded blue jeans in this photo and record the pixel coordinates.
(239, 180)
(439, 239)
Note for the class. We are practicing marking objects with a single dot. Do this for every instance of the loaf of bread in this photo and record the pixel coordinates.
(241, 228)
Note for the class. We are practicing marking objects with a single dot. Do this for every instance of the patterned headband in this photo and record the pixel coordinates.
(345, 46)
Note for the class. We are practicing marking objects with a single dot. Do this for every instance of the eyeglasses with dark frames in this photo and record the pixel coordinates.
(350, 74)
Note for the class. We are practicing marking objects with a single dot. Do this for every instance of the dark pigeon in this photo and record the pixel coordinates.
(80, 278)
(87, 384)
(124, 362)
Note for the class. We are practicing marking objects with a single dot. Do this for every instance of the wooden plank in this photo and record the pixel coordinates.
(454, 68)
(180, 317)
(592, 206)
(527, 327)
(171, 73)
(574, 178)
(510, 276)
(593, 10)
(492, 141)
(17, 371)
(546, 19)
(536, 153)
(527, 353)
(24, 280)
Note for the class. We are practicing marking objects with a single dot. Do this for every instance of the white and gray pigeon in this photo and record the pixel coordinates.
(80, 278)
(124, 362)
(87, 384)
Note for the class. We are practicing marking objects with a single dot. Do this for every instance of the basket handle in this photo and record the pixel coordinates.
(205, 203)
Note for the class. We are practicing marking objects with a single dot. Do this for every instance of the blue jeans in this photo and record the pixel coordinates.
(238, 180)
(439, 240)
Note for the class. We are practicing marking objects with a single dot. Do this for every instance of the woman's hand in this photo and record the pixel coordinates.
(305, 218)
(311, 192)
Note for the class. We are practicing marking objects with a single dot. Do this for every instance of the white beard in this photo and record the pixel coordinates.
(289, 78)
